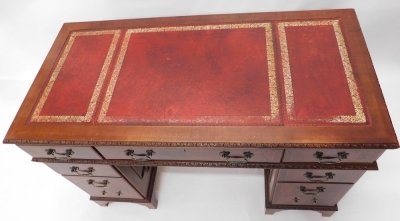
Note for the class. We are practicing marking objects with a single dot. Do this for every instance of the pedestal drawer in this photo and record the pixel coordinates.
(138, 176)
(319, 176)
(105, 186)
(332, 156)
(61, 152)
(197, 154)
(319, 194)
(84, 169)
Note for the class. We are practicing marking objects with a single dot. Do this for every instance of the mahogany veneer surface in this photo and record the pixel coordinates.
(292, 78)
(204, 91)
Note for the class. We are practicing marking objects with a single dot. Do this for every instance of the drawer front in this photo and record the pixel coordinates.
(105, 186)
(319, 176)
(199, 154)
(61, 152)
(87, 170)
(145, 153)
(318, 194)
(235, 154)
(138, 176)
(332, 156)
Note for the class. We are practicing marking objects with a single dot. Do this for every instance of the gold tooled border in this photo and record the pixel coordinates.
(359, 117)
(103, 118)
(36, 114)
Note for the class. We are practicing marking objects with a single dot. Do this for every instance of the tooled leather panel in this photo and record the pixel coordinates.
(205, 75)
(211, 76)
(318, 80)
(73, 87)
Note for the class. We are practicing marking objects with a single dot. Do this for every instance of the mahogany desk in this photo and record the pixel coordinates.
(294, 93)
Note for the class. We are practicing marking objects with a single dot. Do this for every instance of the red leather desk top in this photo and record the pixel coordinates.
(290, 71)
(273, 73)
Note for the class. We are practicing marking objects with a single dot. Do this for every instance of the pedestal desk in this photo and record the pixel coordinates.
(293, 93)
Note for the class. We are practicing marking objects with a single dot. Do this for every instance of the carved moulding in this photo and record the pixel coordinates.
(207, 144)
(157, 163)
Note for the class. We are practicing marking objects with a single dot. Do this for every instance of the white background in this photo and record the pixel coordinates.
(32, 191)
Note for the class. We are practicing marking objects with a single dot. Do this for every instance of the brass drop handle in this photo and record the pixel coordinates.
(318, 179)
(88, 172)
(315, 191)
(340, 156)
(103, 184)
(65, 156)
(236, 159)
(140, 157)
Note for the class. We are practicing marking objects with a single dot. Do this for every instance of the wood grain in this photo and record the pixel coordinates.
(379, 132)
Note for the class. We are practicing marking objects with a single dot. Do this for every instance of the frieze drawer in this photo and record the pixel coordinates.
(234, 155)
(62, 152)
(84, 169)
(105, 187)
(332, 156)
(319, 194)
